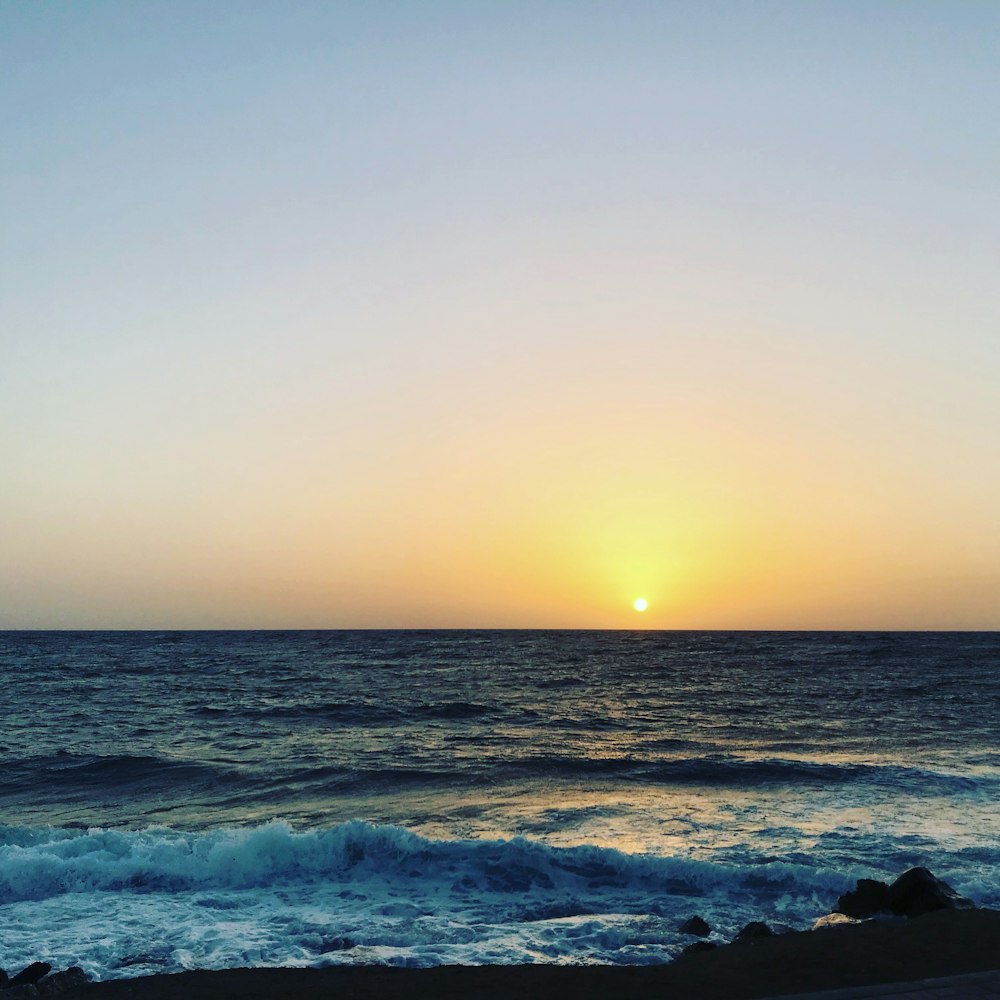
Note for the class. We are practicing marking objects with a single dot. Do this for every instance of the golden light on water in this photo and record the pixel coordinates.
(640, 604)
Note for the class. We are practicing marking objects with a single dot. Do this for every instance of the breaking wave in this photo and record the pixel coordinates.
(38, 864)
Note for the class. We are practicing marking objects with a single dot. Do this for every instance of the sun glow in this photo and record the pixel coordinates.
(640, 604)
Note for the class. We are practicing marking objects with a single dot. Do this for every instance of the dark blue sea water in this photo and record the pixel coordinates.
(207, 799)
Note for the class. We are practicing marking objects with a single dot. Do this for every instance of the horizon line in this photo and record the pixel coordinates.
(495, 628)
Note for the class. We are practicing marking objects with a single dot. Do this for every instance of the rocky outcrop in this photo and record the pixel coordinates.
(754, 929)
(35, 981)
(62, 982)
(919, 891)
(915, 892)
(29, 975)
(868, 897)
(697, 946)
(697, 926)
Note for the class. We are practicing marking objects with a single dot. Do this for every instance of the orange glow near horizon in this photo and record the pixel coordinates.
(713, 529)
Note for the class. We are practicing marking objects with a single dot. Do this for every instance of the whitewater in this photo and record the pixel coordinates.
(210, 800)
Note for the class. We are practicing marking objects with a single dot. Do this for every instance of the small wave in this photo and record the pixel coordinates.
(333, 777)
(742, 772)
(454, 710)
(336, 711)
(352, 713)
(557, 683)
(92, 771)
(666, 743)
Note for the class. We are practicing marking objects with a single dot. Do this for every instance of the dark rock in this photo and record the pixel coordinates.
(24, 992)
(695, 926)
(754, 929)
(3, 979)
(31, 974)
(869, 897)
(696, 946)
(918, 891)
(62, 982)
(915, 891)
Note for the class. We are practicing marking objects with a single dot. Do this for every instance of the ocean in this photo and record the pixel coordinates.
(176, 800)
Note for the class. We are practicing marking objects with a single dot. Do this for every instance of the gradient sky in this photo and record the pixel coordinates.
(500, 314)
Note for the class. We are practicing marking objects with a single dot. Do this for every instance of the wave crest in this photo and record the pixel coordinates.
(38, 864)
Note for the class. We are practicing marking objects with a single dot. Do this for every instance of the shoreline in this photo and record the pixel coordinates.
(937, 944)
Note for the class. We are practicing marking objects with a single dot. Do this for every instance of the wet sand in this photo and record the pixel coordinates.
(938, 944)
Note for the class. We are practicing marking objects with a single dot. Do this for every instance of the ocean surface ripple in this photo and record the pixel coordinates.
(204, 799)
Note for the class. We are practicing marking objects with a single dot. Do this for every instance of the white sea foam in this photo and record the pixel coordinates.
(38, 864)
(126, 903)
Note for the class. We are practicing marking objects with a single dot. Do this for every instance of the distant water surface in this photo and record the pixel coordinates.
(186, 799)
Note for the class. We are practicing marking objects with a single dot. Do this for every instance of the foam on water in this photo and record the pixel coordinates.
(39, 864)
(125, 902)
(128, 903)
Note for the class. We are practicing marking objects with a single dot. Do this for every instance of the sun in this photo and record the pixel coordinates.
(640, 604)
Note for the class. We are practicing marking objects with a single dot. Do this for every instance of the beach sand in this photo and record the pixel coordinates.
(937, 944)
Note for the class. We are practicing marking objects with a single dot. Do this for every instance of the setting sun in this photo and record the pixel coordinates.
(640, 604)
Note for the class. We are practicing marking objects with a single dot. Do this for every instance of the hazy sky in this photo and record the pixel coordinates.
(461, 314)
